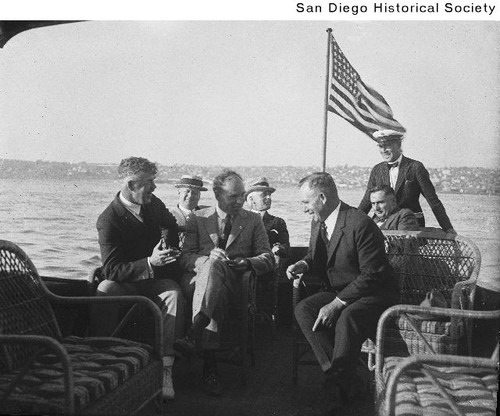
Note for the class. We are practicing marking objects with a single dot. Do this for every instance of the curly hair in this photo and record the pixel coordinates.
(133, 165)
(221, 179)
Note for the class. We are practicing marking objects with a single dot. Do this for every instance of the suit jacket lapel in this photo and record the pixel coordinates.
(212, 226)
(403, 167)
(338, 231)
(238, 225)
(314, 237)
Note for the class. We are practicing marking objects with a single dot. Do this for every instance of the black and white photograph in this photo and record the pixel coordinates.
(250, 217)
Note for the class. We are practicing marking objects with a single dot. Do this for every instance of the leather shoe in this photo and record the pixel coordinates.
(186, 346)
(211, 384)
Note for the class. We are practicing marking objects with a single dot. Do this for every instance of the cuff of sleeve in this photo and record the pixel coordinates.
(149, 274)
(304, 262)
(341, 301)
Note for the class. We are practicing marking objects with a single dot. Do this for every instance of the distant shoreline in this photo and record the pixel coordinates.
(451, 180)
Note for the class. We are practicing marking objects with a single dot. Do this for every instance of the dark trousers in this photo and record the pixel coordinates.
(337, 349)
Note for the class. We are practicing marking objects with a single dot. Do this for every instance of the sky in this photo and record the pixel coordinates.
(246, 92)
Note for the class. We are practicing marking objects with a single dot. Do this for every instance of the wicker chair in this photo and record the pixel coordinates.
(432, 260)
(42, 372)
(422, 261)
(430, 383)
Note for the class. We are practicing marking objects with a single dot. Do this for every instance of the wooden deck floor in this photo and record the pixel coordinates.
(269, 390)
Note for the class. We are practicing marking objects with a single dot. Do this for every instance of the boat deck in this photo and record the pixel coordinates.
(269, 390)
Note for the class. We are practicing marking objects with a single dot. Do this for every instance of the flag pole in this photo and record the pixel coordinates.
(327, 87)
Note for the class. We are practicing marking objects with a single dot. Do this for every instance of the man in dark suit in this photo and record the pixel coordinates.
(221, 243)
(258, 196)
(409, 178)
(189, 189)
(346, 249)
(386, 213)
(134, 259)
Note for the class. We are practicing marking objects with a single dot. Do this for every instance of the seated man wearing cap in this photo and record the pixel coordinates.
(387, 215)
(409, 178)
(258, 195)
(189, 190)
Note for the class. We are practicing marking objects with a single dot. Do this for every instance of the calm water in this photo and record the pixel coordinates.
(53, 221)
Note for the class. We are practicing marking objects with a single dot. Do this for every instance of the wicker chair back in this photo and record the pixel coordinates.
(24, 308)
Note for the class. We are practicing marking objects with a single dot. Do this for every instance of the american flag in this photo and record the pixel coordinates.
(356, 102)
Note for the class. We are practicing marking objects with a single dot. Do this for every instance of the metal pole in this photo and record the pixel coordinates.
(327, 88)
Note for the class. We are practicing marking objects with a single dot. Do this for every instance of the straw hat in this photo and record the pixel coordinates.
(191, 181)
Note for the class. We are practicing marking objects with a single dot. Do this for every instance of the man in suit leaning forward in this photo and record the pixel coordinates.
(221, 243)
(133, 259)
(346, 249)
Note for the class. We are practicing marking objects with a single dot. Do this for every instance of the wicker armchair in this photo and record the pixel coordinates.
(42, 372)
(431, 383)
(422, 261)
(432, 260)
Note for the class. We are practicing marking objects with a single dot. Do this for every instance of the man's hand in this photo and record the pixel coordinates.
(239, 264)
(278, 249)
(328, 314)
(293, 271)
(218, 254)
(161, 257)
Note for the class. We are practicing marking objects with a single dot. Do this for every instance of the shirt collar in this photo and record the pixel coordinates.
(261, 213)
(331, 220)
(398, 160)
(184, 210)
(134, 208)
(220, 213)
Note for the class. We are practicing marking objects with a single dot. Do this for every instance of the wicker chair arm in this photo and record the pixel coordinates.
(398, 310)
(462, 296)
(421, 360)
(60, 352)
(130, 300)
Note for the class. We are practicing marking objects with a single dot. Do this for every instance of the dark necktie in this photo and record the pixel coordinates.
(324, 233)
(225, 234)
(393, 165)
(142, 213)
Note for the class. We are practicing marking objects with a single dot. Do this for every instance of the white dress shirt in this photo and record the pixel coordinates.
(394, 172)
(134, 209)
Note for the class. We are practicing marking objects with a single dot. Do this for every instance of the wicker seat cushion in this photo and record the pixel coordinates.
(473, 390)
(100, 365)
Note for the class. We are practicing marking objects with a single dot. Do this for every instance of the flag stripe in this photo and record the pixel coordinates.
(356, 102)
(356, 110)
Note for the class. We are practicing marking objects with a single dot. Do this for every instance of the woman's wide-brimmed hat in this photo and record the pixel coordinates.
(191, 181)
(258, 185)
